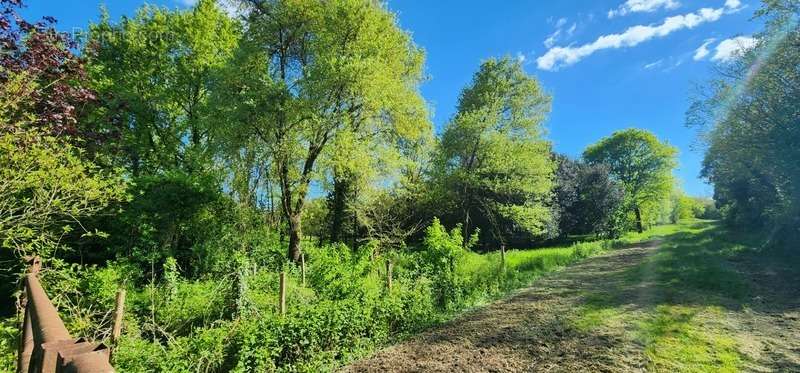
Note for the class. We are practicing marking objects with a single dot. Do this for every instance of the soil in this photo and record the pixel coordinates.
(533, 330)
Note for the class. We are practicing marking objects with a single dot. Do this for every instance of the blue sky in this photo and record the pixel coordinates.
(609, 64)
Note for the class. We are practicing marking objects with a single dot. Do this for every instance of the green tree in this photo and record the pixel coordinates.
(748, 119)
(307, 74)
(155, 73)
(586, 199)
(641, 163)
(492, 160)
(47, 184)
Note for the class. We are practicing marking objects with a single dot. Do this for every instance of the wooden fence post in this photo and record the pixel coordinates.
(389, 275)
(503, 256)
(282, 294)
(119, 312)
(303, 267)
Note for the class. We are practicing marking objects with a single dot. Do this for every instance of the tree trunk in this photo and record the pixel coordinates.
(639, 226)
(295, 236)
(338, 204)
(466, 227)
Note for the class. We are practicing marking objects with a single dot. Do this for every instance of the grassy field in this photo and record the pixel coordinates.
(690, 303)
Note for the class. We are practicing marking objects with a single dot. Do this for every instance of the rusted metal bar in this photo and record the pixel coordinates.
(46, 346)
(49, 332)
(48, 326)
(25, 344)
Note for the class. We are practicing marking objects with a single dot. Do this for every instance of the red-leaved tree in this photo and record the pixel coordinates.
(43, 57)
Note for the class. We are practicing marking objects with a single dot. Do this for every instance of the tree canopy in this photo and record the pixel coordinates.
(640, 162)
(314, 73)
(493, 161)
(749, 121)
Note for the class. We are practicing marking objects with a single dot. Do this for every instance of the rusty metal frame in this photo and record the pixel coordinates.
(45, 344)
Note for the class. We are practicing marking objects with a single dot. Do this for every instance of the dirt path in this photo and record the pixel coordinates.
(530, 331)
(700, 303)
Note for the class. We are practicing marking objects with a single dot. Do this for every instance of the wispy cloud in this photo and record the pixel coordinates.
(703, 51)
(729, 49)
(553, 38)
(572, 29)
(653, 65)
(642, 6)
(521, 57)
(557, 57)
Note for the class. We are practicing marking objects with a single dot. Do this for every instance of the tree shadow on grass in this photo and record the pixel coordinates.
(713, 269)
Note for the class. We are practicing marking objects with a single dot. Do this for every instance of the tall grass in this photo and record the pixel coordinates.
(486, 278)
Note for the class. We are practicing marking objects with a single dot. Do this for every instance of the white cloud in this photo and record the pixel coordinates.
(733, 4)
(653, 64)
(643, 6)
(572, 29)
(553, 38)
(728, 49)
(557, 57)
(703, 51)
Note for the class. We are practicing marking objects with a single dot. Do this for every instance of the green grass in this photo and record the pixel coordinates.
(684, 339)
(675, 300)
(490, 280)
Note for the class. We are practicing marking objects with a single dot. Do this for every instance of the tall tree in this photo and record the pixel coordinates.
(48, 184)
(492, 157)
(750, 121)
(641, 163)
(42, 59)
(154, 73)
(310, 71)
(586, 199)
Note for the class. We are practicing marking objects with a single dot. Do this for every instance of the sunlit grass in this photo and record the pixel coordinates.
(592, 316)
(523, 266)
(683, 339)
(681, 289)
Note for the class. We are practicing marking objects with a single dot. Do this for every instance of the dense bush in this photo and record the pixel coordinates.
(179, 324)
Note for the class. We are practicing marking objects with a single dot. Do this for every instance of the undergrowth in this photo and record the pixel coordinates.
(229, 322)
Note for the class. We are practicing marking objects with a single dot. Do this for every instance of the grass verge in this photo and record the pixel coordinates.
(675, 302)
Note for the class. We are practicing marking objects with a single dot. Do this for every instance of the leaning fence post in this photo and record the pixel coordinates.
(282, 293)
(119, 312)
(389, 275)
(503, 255)
(303, 268)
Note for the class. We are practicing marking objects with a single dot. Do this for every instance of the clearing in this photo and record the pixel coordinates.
(697, 299)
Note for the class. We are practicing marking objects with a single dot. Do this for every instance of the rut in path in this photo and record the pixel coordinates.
(531, 330)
